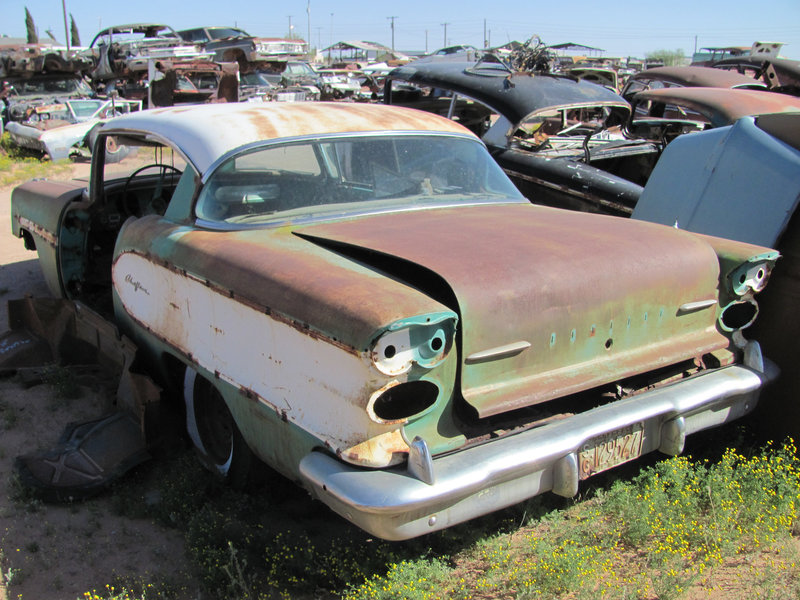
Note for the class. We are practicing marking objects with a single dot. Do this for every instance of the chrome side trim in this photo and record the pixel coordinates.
(497, 353)
(395, 505)
(695, 306)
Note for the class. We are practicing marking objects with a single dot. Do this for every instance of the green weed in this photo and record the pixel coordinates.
(63, 381)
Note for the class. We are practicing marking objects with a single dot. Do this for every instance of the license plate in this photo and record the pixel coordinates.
(611, 449)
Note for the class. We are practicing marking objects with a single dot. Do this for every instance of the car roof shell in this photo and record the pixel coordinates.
(513, 95)
(721, 105)
(787, 64)
(691, 76)
(161, 28)
(206, 133)
(208, 28)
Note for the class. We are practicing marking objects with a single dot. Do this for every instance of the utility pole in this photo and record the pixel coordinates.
(308, 17)
(331, 41)
(445, 33)
(392, 20)
(290, 28)
(485, 39)
(66, 30)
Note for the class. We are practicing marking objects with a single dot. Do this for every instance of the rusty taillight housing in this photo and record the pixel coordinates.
(397, 402)
(750, 277)
(738, 315)
(424, 341)
(745, 281)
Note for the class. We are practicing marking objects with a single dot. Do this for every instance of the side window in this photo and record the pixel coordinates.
(260, 183)
(139, 177)
(633, 86)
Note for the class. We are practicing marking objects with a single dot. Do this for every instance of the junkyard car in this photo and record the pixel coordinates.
(664, 114)
(687, 76)
(358, 296)
(604, 77)
(22, 94)
(150, 62)
(559, 139)
(122, 50)
(228, 44)
(293, 75)
(780, 75)
(63, 128)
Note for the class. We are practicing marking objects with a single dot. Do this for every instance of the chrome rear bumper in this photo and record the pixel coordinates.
(392, 504)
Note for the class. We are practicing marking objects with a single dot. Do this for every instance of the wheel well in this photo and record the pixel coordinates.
(26, 236)
(173, 370)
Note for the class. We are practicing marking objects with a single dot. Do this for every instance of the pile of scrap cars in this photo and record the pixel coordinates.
(54, 99)
(388, 303)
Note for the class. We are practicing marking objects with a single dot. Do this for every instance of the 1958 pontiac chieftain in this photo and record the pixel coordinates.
(359, 297)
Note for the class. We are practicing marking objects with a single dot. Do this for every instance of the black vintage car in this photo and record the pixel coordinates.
(562, 141)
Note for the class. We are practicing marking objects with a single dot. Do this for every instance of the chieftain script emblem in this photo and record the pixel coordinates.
(137, 285)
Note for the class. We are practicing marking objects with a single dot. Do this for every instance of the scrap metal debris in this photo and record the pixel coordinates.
(90, 455)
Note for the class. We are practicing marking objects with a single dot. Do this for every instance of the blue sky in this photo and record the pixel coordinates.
(620, 28)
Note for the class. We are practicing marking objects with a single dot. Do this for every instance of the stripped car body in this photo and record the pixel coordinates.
(35, 59)
(780, 75)
(357, 295)
(559, 139)
(231, 44)
(605, 77)
(65, 128)
(664, 114)
(34, 76)
(122, 50)
(687, 76)
(150, 62)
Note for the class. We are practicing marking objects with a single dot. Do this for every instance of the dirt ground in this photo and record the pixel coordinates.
(59, 552)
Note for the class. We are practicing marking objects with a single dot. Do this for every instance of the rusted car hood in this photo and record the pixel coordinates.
(540, 314)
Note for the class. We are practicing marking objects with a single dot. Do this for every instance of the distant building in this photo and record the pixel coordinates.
(361, 52)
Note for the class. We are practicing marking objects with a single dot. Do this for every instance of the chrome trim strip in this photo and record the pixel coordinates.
(497, 353)
(36, 229)
(346, 214)
(394, 505)
(695, 306)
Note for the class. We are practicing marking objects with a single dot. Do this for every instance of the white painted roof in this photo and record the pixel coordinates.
(206, 132)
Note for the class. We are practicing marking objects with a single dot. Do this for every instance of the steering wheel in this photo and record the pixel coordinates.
(157, 203)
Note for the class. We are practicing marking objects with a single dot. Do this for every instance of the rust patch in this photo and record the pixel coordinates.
(382, 450)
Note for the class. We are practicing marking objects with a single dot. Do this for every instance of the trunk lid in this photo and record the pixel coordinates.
(552, 302)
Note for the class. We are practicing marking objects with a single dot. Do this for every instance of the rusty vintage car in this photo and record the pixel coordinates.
(780, 75)
(358, 296)
(687, 76)
(65, 128)
(560, 140)
(231, 44)
(663, 114)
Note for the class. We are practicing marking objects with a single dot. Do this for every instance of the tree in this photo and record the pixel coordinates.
(30, 28)
(76, 38)
(670, 58)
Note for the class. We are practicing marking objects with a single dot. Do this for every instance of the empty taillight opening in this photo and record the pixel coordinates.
(738, 315)
(405, 400)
